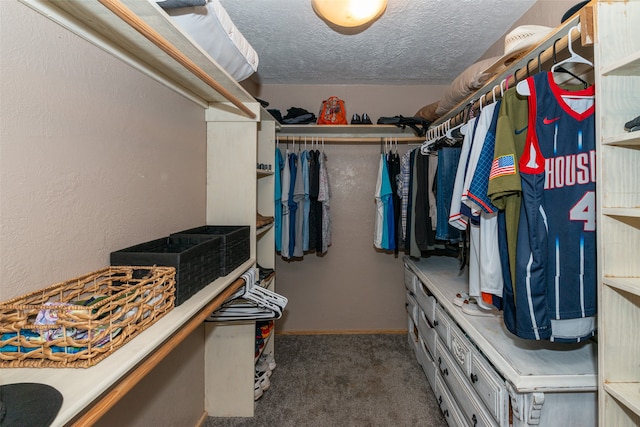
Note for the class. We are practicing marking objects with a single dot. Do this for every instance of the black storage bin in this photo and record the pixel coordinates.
(198, 262)
(235, 242)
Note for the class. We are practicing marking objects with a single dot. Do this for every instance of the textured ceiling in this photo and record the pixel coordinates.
(414, 42)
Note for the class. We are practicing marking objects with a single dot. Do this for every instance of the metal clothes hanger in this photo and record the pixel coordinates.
(539, 61)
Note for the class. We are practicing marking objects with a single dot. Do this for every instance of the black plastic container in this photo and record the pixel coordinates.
(235, 243)
(197, 261)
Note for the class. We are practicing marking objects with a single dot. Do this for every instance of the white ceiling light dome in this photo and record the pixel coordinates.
(349, 13)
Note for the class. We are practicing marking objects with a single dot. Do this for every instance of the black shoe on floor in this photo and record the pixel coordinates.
(355, 120)
(365, 119)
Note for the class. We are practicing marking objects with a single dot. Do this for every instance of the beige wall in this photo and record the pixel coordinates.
(94, 157)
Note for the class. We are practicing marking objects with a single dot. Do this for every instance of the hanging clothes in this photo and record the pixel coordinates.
(293, 205)
(383, 228)
(505, 190)
(405, 172)
(378, 225)
(318, 207)
(456, 218)
(448, 159)
(315, 214)
(413, 248)
(298, 197)
(393, 166)
(324, 198)
(490, 267)
(306, 201)
(279, 166)
(432, 183)
(286, 183)
(556, 281)
(424, 234)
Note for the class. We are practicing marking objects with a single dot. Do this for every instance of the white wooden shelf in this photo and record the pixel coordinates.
(622, 212)
(627, 284)
(627, 393)
(97, 24)
(83, 388)
(628, 139)
(617, 78)
(262, 230)
(627, 66)
(261, 173)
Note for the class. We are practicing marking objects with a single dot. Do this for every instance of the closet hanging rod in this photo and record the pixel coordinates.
(299, 139)
(124, 13)
(533, 58)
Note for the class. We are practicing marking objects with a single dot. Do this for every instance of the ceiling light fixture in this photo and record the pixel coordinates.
(349, 13)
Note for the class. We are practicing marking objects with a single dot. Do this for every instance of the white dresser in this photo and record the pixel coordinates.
(481, 374)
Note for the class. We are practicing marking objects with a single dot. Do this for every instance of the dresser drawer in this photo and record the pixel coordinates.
(460, 348)
(410, 280)
(427, 333)
(426, 361)
(448, 406)
(490, 387)
(412, 335)
(442, 323)
(412, 307)
(426, 300)
(470, 406)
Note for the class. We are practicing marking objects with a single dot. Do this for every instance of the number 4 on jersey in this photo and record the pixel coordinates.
(585, 211)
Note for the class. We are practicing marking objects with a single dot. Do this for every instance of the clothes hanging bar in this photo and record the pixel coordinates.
(518, 71)
(348, 134)
(124, 13)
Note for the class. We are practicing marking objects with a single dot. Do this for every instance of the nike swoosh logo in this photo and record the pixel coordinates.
(548, 121)
(519, 131)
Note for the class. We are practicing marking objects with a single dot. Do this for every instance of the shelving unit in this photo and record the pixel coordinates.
(617, 54)
(239, 134)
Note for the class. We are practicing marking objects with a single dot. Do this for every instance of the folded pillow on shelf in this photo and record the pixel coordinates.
(470, 80)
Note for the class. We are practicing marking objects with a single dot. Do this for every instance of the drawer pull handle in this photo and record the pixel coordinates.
(475, 420)
(446, 413)
(474, 378)
(439, 400)
(444, 372)
(436, 323)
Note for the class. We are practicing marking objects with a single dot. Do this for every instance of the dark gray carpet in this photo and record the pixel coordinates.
(343, 380)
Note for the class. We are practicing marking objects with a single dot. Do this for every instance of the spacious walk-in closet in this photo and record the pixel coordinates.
(444, 206)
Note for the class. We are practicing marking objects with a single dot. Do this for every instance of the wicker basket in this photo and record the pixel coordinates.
(235, 243)
(79, 322)
(197, 261)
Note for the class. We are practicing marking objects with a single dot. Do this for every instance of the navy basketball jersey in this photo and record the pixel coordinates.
(556, 248)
